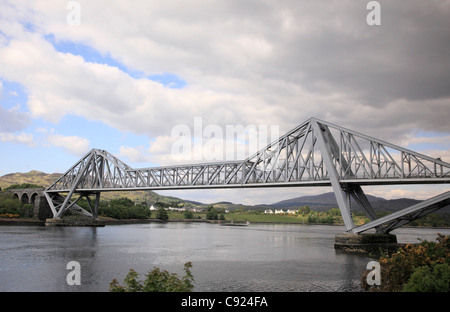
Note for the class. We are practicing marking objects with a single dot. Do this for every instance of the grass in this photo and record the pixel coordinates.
(269, 218)
(244, 217)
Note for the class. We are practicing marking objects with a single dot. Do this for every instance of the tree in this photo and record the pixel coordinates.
(162, 214)
(188, 214)
(212, 215)
(304, 210)
(334, 212)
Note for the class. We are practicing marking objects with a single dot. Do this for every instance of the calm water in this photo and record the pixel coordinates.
(266, 258)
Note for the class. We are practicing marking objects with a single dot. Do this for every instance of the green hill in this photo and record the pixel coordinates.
(32, 177)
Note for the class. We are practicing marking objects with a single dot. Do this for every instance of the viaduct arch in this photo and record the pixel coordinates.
(35, 197)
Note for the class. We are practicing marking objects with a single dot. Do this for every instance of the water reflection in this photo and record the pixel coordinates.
(250, 258)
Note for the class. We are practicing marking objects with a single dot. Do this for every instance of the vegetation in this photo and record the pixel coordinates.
(33, 177)
(11, 207)
(427, 279)
(213, 213)
(420, 267)
(162, 214)
(23, 186)
(122, 208)
(187, 214)
(156, 280)
(304, 215)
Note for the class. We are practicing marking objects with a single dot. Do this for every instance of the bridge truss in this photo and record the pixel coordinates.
(316, 153)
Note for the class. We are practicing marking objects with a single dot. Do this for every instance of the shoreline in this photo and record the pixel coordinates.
(108, 221)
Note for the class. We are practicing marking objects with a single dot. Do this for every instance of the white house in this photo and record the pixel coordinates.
(268, 211)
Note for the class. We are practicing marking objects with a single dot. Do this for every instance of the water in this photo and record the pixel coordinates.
(261, 258)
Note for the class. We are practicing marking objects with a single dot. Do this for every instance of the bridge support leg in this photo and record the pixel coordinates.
(94, 210)
(326, 145)
(97, 202)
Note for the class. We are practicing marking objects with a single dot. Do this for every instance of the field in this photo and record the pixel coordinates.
(255, 217)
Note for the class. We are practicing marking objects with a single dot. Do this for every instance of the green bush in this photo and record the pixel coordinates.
(427, 279)
(162, 214)
(156, 281)
(212, 213)
(124, 208)
(188, 214)
(12, 205)
(415, 266)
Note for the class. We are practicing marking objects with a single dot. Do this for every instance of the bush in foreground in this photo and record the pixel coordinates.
(420, 267)
(427, 279)
(156, 281)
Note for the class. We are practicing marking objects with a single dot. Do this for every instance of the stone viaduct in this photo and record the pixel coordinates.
(34, 196)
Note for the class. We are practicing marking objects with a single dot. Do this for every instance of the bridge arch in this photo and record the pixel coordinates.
(24, 198)
(33, 198)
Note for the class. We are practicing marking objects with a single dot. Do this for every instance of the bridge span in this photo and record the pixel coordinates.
(315, 153)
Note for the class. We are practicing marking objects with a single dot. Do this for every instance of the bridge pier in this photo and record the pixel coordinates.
(366, 243)
(77, 221)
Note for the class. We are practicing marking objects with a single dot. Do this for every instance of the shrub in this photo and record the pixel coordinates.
(188, 214)
(428, 279)
(398, 268)
(124, 208)
(156, 281)
(9, 215)
(162, 214)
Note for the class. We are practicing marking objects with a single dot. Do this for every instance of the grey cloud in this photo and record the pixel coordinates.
(11, 120)
(406, 57)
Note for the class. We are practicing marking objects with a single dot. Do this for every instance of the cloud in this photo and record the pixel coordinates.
(21, 138)
(247, 63)
(253, 63)
(73, 144)
(133, 154)
(12, 120)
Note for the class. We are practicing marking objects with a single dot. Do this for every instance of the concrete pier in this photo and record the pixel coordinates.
(74, 222)
(366, 243)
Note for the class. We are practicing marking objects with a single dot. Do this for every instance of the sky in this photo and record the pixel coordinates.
(122, 75)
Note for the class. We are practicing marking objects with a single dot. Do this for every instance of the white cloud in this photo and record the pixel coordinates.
(134, 154)
(73, 144)
(21, 138)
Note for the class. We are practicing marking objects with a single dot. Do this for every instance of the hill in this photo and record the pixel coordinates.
(32, 177)
(326, 201)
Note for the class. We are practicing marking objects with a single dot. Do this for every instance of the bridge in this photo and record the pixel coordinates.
(315, 153)
(34, 197)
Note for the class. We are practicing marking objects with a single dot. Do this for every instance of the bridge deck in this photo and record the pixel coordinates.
(366, 182)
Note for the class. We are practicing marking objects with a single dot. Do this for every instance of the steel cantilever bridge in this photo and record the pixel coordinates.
(316, 153)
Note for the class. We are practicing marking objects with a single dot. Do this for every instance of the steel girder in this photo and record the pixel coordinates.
(316, 153)
(399, 218)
